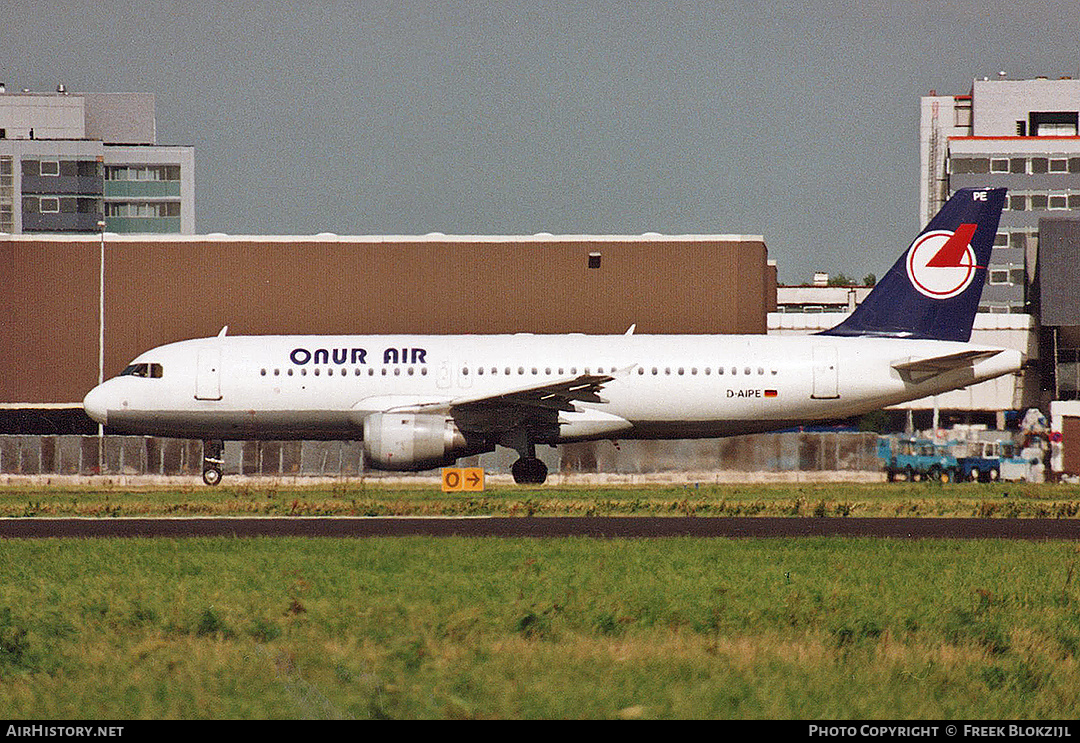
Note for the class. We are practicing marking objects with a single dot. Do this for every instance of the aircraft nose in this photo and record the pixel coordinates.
(96, 405)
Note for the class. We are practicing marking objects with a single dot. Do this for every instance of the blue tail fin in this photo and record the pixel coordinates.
(933, 291)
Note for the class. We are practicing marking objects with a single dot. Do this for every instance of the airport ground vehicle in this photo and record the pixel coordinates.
(981, 461)
(914, 459)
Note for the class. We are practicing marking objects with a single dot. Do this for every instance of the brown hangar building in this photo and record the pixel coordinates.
(160, 289)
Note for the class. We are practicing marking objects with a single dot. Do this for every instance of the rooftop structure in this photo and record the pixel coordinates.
(72, 161)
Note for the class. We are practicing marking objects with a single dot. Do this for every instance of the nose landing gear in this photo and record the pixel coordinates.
(213, 461)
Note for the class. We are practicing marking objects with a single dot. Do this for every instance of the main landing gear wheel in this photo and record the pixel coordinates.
(529, 471)
(211, 476)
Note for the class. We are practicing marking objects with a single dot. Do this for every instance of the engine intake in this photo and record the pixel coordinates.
(411, 441)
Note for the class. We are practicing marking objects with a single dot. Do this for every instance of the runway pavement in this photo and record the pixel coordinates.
(541, 527)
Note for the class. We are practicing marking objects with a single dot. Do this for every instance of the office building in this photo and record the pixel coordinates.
(69, 161)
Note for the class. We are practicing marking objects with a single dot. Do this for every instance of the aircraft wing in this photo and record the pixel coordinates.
(920, 370)
(533, 405)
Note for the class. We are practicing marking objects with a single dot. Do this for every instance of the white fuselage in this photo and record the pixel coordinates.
(286, 387)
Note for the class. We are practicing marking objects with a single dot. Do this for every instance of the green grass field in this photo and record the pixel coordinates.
(359, 498)
(560, 628)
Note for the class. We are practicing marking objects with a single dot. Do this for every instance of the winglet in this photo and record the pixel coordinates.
(630, 330)
(224, 330)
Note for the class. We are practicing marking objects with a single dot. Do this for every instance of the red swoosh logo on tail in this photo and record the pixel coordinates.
(954, 249)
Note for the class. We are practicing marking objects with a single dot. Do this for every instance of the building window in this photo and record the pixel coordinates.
(998, 276)
(7, 194)
(999, 165)
(142, 173)
(1018, 203)
(1053, 123)
(49, 204)
(143, 209)
(1059, 165)
(975, 165)
(50, 167)
(1058, 201)
(1018, 165)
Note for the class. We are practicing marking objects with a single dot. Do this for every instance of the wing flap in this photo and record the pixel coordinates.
(529, 405)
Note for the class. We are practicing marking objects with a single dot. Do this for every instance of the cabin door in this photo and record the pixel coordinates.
(826, 374)
(208, 375)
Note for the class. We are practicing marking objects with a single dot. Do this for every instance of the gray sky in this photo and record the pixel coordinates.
(796, 121)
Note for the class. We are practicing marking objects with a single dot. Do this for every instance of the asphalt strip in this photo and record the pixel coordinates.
(614, 527)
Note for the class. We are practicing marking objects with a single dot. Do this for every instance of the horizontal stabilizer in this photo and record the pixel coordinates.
(920, 370)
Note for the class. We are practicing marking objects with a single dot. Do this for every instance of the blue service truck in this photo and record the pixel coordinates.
(910, 459)
(990, 461)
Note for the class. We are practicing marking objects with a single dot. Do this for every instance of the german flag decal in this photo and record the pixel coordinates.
(770, 393)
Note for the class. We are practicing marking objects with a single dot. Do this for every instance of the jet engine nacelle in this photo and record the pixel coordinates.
(411, 441)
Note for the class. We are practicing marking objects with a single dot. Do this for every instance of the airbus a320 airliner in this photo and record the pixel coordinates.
(419, 402)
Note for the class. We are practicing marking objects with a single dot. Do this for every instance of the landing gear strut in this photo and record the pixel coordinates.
(212, 461)
(529, 471)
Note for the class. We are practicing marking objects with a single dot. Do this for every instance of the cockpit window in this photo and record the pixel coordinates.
(154, 371)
